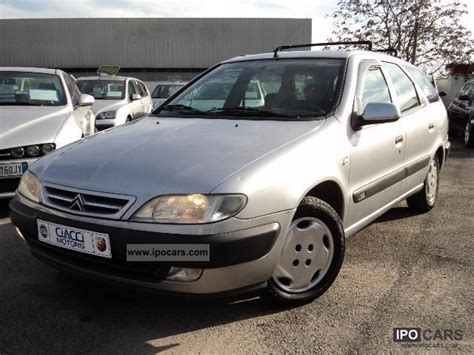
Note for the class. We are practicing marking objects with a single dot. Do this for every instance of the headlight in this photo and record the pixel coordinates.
(107, 115)
(18, 152)
(30, 187)
(33, 150)
(190, 209)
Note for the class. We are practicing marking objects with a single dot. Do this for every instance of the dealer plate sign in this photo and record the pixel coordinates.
(80, 240)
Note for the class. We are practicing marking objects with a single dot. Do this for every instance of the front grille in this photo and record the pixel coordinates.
(86, 202)
(9, 185)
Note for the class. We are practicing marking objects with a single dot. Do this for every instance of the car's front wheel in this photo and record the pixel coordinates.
(311, 257)
(468, 134)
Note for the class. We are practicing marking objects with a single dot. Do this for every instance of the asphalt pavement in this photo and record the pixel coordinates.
(404, 270)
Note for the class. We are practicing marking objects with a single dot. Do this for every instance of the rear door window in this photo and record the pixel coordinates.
(424, 83)
(405, 90)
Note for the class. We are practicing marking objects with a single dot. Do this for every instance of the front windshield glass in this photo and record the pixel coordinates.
(103, 89)
(262, 89)
(32, 89)
(163, 91)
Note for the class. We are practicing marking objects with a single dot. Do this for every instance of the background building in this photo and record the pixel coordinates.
(152, 49)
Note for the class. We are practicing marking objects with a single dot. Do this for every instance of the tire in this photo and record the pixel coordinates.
(323, 227)
(424, 200)
(468, 134)
(129, 119)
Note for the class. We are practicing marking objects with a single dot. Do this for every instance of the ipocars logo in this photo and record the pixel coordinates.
(416, 335)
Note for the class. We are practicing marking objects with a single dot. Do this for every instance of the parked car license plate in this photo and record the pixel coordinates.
(80, 240)
(13, 169)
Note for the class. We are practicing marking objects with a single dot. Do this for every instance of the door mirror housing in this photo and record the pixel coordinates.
(136, 97)
(85, 100)
(376, 112)
(442, 94)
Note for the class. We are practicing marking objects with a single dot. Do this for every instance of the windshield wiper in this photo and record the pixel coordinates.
(182, 108)
(250, 111)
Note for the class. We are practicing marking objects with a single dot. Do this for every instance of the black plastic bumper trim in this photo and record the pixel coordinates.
(225, 249)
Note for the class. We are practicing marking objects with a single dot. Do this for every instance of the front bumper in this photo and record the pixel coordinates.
(238, 259)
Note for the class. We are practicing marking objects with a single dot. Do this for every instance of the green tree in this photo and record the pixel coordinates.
(427, 33)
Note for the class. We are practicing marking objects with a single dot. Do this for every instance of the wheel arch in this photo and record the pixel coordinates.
(330, 192)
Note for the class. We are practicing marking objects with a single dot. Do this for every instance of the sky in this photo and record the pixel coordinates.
(314, 9)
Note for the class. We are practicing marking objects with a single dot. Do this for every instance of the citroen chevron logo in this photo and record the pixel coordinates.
(78, 203)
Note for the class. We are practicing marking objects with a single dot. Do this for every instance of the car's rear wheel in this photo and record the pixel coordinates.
(424, 200)
(311, 257)
(468, 134)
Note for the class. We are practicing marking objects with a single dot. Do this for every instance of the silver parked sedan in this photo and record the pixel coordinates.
(223, 193)
(40, 110)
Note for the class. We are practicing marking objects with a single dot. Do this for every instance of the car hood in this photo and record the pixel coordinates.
(106, 105)
(26, 125)
(155, 156)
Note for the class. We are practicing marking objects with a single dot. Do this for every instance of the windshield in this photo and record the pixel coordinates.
(164, 91)
(262, 89)
(103, 89)
(35, 89)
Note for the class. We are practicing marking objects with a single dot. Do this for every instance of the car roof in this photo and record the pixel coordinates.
(107, 77)
(338, 54)
(31, 70)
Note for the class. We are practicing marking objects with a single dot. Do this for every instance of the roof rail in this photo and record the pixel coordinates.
(282, 48)
(391, 51)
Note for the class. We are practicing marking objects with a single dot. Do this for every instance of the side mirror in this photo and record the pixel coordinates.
(463, 98)
(442, 94)
(136, 97)
(377, 112)
(86, 100)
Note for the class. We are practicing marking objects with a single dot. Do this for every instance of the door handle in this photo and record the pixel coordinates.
(398, 139)
(431, 126)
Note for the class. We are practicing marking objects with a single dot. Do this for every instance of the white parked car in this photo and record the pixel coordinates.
(118, 99)
(163, 91)
(40, 110)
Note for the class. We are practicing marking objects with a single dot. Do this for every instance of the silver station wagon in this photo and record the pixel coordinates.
(223, 192)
